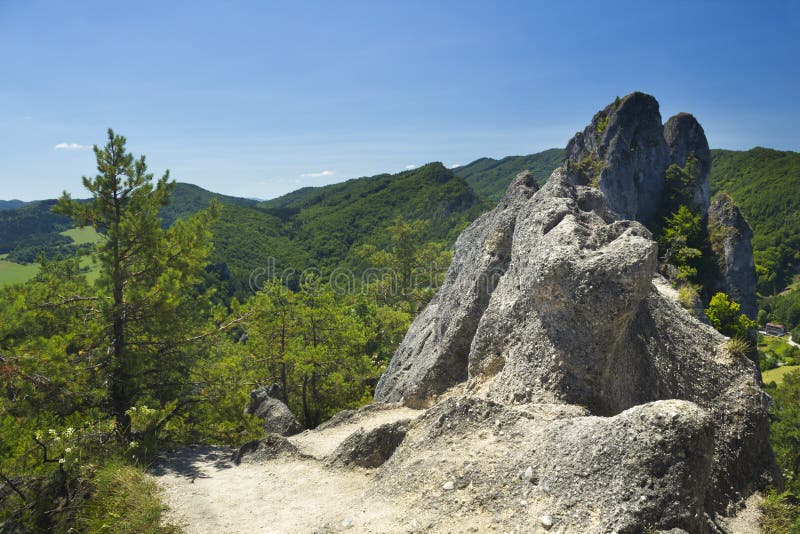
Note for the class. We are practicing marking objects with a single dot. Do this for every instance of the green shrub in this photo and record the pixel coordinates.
(602, 124)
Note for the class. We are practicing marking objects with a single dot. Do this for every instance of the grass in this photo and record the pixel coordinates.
(776, 375)
(776, 346)
(16, 273)
(125, 500)
(82, 236)
(781, 514)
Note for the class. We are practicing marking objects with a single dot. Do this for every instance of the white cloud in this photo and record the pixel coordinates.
(410, 167)
(454, 165)
(71, 146)
(318, 174)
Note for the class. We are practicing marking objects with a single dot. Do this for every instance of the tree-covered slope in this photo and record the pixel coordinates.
(32, 224)
(188, 199)
(765, 184)
(11, 204)
(320, 227)
(490, 177)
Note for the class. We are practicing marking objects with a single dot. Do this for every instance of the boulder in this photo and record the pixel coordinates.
(369, 448)
(265, 403)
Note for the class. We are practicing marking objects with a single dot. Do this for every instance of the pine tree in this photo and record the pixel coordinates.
(148, 302)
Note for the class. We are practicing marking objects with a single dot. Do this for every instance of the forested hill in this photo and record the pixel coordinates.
(188, 199)
(11, 204)
(490, 177)
(319, 227)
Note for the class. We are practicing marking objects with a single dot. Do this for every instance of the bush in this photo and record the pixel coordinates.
(124, 500)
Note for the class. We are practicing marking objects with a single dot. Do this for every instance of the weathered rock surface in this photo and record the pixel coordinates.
(625, 151)
(731, 239)
(646, 468)
(433, 355)
(574, 319)
(269, 448)
(370, 448)
(265, 403)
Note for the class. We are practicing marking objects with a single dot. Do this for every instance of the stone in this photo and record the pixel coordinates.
(546, 521)
(267, 449)
(370, 448)
(265, 403)
(449, 485)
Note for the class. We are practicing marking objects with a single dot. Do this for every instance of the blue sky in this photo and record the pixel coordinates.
(261, 98)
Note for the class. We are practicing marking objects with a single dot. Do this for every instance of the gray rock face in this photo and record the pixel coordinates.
(574, 319)
(433, 355)
(731, 238)
(625, 150)
(370, 448)
(278, 419)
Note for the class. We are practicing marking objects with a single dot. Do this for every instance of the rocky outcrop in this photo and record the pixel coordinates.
(433, 355)
(265, 403)
(684, 137)
(625, 152)
(369, 448)
(731, 239)
(574, 319)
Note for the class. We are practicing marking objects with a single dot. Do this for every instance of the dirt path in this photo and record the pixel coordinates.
(208, 493)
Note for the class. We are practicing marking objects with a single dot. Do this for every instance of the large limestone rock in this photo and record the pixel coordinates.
(625, 151)
(572, 319)
(731, 239)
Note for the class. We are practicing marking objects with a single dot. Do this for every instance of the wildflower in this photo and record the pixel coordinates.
(133, 444)
(69, 432)
(68, 450)
(51, 431)
(61, 460)
(38, 435)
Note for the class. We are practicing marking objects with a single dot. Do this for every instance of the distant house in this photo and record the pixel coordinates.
(774, 329)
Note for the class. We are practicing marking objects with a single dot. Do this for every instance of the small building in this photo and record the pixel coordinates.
(775, 329)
